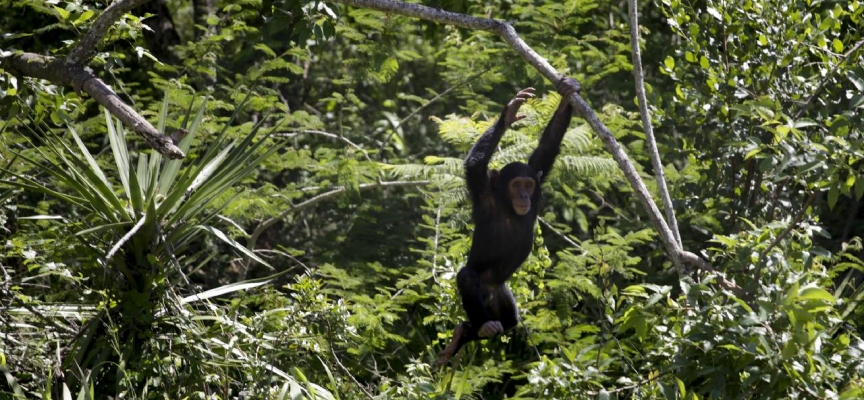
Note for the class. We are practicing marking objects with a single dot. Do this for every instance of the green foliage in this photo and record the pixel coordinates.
(138, 226)
(777, 90)
(318, 260)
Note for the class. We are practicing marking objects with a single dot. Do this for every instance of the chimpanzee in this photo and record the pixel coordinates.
(505, 206)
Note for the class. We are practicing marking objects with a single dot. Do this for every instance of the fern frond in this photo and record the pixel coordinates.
(458, 130)
(411, 170)
(587, 165)
(519, 151)
(579, 139)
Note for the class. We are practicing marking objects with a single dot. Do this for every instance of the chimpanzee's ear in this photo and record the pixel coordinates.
(494, 176)
(539, 176)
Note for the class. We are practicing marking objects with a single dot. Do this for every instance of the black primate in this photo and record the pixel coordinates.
(504, 210)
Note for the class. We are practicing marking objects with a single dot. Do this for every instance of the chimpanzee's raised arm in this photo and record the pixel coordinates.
(550, 143)
(477, 163)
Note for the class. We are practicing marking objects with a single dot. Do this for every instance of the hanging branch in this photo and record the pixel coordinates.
(646, 121)
(71, 71)
(508, 34)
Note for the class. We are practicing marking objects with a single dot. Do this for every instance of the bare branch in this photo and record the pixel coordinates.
(70, 71)
(500, 28)
(696, 262)
(59, 71)
(646, 122)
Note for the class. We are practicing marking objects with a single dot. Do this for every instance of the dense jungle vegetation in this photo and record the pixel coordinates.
(307, 242)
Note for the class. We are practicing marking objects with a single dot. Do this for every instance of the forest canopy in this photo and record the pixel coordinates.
(267, 199)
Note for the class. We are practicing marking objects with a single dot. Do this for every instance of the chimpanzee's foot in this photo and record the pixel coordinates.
(450, 350)
(490, 329)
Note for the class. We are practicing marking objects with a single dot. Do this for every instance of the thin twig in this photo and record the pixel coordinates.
(560, 234)
(696, 262)
(325, 134)
(435, 245)
(828, 76)
(632, 386)
(531, 339)
(434, 99)
(266, 224)
(785, 233)
(347, 372)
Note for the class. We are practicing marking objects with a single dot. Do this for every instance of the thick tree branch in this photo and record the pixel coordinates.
(508, 34)
(70, 71)
(75, 76)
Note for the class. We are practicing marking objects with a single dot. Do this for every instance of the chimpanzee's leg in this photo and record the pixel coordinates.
(503, 305)
(474, 296)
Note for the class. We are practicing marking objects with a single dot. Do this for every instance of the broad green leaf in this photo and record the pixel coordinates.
(63, 14)
(635, 290)
(669, 62)
(858, 82)
(804, 123)
(689, 57)
(84, 17)
(815, 293)
(752, 153)
(782, 132)
(854, 392)
(833, 193)
(859, 188)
